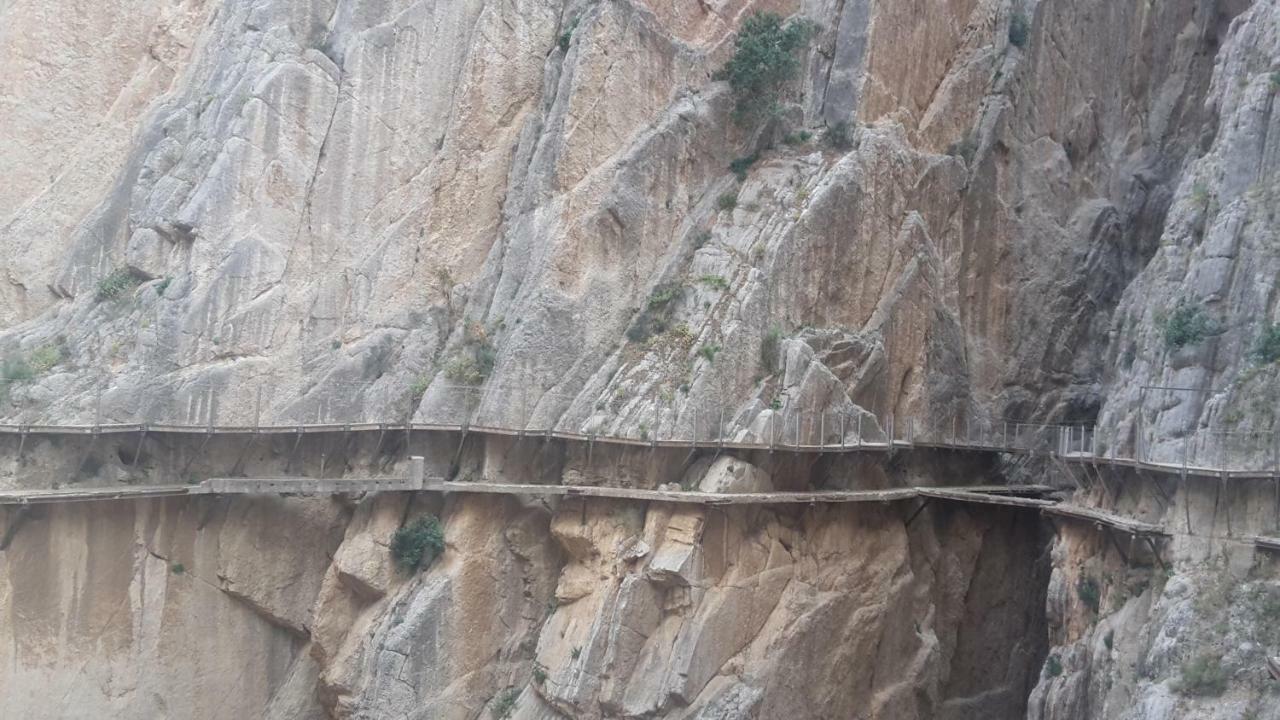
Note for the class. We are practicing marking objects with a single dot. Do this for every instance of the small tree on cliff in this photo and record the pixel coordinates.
(417, 543)
(764, 60)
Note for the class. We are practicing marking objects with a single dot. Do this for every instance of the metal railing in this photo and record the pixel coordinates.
(669, 418)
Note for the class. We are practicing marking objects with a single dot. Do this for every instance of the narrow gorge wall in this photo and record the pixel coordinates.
(228, 211)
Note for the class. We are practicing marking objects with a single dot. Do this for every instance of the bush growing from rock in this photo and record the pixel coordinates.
(839, 136)
(1203, 676)
(764, 60)
(1267, 349)
(1186, 325)
(417, 543)
(1019, 29)
(116, 284)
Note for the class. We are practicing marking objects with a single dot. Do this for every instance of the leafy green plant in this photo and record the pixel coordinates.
(1267, 348)
(1275, 81)
(727, 201)
(45, 358)
(178, 569)
(417, 543)
(741, 165)
(116, 284)
(839, 136)
(764, 61)
(567, 35)
(1089, 593)
(797, 138)
(715, 282)
(539, 674)
(1053, 666)
(1019, 29)
(575, 653)
(709, 352)
(655, 319)
(1203, 676)
(419, 386)
(1186, 325)
(505, 703)
(474, 361)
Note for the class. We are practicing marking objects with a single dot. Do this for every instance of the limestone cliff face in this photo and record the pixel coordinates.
(588, 609)
(219, 210)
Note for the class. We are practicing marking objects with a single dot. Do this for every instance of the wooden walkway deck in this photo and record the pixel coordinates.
(1025, 497)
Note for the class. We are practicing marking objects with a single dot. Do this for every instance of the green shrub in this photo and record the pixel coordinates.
(770, 347)
(715, 282)
(709, 352)
(116, 284)
(16, 370)
(727, 201)
(539, 674)
(567, 35)
(655, 319)
(1275, 81)
(1267, 348)
(1019, 29)
(419, 386)
(178, 569)
(505, 703)
(764, 61)
(1109, 639)
(1088, 592)
(1186, 325)
(741, 165)
(575, 653)
(839, 136)
(1203, 676)
(1053, 666)
(797, 138)
(416, 544)
(474, 361)
(45, 358)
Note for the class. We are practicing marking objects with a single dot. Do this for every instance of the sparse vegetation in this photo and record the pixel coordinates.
(1019, 29)
(741, 165)
(701, 239)
(1275, 81)
(539, 674)
(163, 285)
(1089, 593)
(763, 62)
(1053, 666)
(655, 319)
(709, 352)
(715, 282)
(1267, 348)
(419, 386)
(45, 358)
(839, 136)
(1186, 325)
(965, 149)
(116, 284)
(1110, 639)
(505, 703)
(1203, 676)
(178, 569)
(799, 137)
(575, 653)
(727, 201)
(567, 35)
(474, 361)
(417, 543)
(770, 347)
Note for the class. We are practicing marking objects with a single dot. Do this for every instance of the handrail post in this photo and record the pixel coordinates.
(417, 472)
(844, 422)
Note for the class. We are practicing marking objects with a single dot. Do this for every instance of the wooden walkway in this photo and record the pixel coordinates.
(1024, 497)
(855, 446)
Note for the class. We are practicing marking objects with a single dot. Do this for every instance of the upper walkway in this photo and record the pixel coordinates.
(1070, 443)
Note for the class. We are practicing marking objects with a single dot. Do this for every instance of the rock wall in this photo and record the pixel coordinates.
(228, 211)
(585, 609)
